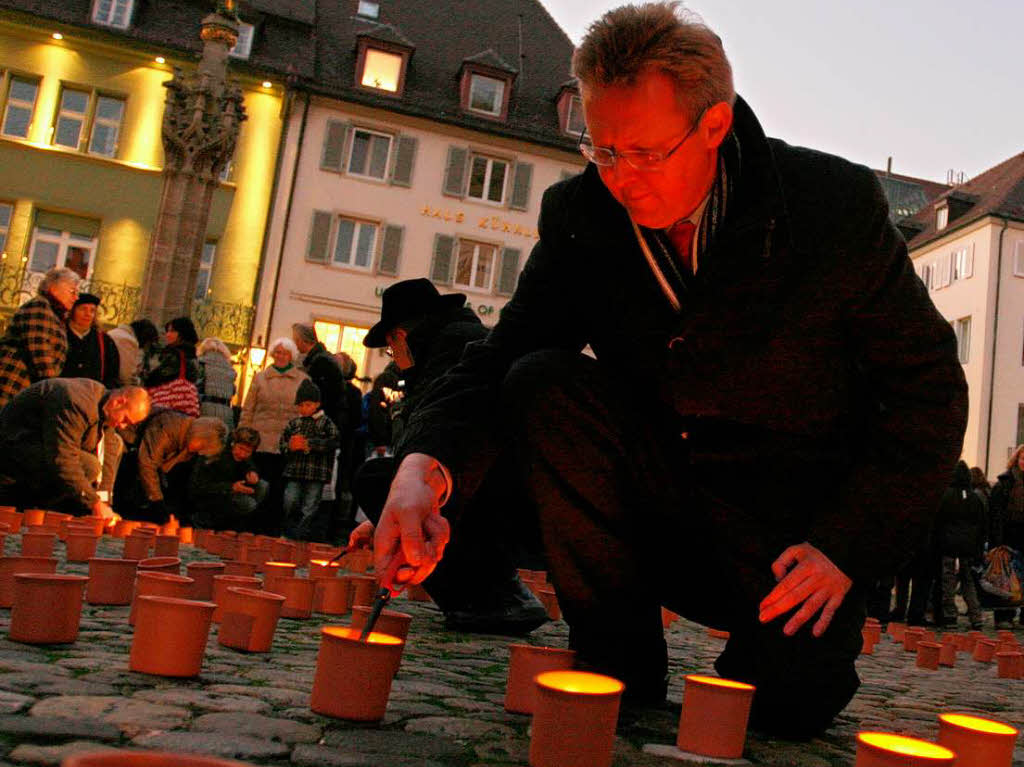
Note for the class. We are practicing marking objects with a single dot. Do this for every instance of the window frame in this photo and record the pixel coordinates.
(488, 177)
(356, 129)
(963, 339)
(499, 97)
(65, 240)
(575, 106)
(941, 218)
(246, 34)
(7, 101)
(367, 44)
(97, 120)
(5, 229)
(129, 11)
(365, 14)
(457, 256)
(84, 116)
(358, 223)
(207, 269)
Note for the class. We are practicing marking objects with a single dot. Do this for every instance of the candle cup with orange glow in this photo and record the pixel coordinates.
(353, 677)
(525, 662)
(574, 718)
(880, 749)
(714, 718)
(977, 742)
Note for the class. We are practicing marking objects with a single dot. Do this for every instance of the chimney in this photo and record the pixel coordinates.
(888, 167)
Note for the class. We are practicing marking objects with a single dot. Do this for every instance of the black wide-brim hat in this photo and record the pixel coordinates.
(407, 300)
(86, 298)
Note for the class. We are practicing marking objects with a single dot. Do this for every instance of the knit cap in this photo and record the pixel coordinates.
(307, 392)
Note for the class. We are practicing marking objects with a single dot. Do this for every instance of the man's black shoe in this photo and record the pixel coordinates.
(515, 612)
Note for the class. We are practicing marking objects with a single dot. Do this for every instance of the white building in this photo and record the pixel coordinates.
(423, 150)
(968, 248)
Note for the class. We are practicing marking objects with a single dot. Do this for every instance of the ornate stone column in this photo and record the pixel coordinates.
(202, 116)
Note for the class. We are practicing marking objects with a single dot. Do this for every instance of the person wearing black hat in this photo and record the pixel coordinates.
(475, 585)
(91, 352)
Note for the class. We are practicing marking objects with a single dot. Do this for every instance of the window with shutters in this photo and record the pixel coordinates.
(942, 217)
(19, 107)
(487, 177)
(6, 211)
(508, 272)
(962, 328)
(243, 45)
(354, 243)
(390, 250)
(112, 13)
(474, 265)
(926, 276)
(486, 95)
(963, 263)
(369, 154)
(1018, 259)
(205, 270)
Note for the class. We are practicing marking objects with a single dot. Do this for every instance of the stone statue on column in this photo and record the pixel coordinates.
(202, 116)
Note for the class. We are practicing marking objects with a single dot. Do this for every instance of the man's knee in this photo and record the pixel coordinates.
(543, 381)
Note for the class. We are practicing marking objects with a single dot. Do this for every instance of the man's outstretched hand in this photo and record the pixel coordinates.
(809, 579)
(411, 520)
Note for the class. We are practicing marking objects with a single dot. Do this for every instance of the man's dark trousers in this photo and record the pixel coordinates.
(628, 526)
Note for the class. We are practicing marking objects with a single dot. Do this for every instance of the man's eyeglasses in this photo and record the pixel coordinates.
(638, 159)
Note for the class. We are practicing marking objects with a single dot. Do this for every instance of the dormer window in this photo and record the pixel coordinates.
(382, 70)
(368, 9)
(486, 94)
(243, 46)
(574, 124)
(570, 110)
(112, 13)
(942, 217)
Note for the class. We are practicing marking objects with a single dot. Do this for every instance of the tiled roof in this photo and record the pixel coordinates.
(385, 33)
(490, 59)
(446, 34)
(999, 191)
(281, 45)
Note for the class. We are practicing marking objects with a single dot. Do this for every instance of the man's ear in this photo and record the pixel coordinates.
(716, 124)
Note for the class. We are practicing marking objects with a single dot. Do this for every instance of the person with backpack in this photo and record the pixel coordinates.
(1006, 510)
(960, 535)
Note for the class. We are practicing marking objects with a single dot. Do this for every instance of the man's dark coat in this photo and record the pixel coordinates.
(807, 354)
(325, 371)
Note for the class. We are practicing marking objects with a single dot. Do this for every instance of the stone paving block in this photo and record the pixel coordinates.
(407, 687)
(387, 743)
(276, 678)
(459, 728)
(322, 756)
(29, 753)
(257, 725)
(132, 716)
(215, 744)
(510, 749)
(55, 728)
(12, 703)
(279, 696)
(174, 696)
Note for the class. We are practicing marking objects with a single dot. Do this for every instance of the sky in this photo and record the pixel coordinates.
(935, 84)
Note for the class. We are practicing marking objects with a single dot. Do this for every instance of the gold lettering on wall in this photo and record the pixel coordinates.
(493, 223)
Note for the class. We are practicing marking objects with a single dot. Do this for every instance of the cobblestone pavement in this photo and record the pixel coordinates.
(445, 706)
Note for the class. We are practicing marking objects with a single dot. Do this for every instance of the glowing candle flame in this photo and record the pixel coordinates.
(900, 744)
(977, 723)
(580, 682)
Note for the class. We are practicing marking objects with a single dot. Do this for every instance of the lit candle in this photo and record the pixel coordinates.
(713, 721)
(574, 719)
(978, 742)
(879, 749)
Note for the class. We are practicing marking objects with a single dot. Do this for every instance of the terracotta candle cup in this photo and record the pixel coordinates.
(323, 568)
(34, 517)
(202, 574)
(186, 535)
(549, 599)
(977, 742)
(1009, 664)
(283, 551)
(37, 544)
(97, 525)
(574, 719)
(136, 547)
(358, 561)
(11, 565)
(879, 749)
(298, 596)
(80, 546)
(47, 608)
(390, 622)
(248, 619)
(867, 645)
(947, 655)
(242, 569)
(897, 630)
(157, 584)
(911, 638)
(353, 678)
(170, 636)
(111, 581)
(525, 662)
(166, 546)
(363, 589)
(928, 655)
(717, 633)
(132, 758)
(968, 641)
(215, 544)
(274, 570)
(257, 555)
(11, 518)
(713, 721)
(170, 565)
(221, 583)
(874, 631)
(984, 650)
(332, 596)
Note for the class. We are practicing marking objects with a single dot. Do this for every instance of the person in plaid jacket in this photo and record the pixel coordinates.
(36, 344)
(308, 444)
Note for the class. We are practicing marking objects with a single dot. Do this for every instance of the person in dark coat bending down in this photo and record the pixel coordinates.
(476, 586)
(91, 352)
(765, 293)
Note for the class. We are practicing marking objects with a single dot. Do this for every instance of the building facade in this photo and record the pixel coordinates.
(422, 149)
(81, 106)
(968, 248)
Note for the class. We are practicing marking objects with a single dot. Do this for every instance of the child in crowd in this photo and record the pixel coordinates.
(308, 444)
(225, 490)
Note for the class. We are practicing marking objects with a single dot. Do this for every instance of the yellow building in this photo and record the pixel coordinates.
(81, 106)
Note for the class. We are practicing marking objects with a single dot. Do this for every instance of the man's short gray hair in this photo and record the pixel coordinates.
(212, 432)
(55, 275)
(631, 40)
(306, 332)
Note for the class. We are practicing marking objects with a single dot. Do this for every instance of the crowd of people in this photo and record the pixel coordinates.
(141, 424)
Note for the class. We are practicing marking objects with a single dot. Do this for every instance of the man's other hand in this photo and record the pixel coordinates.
(809, 579)
(362, 536)
(411, 521)
(241, 487)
